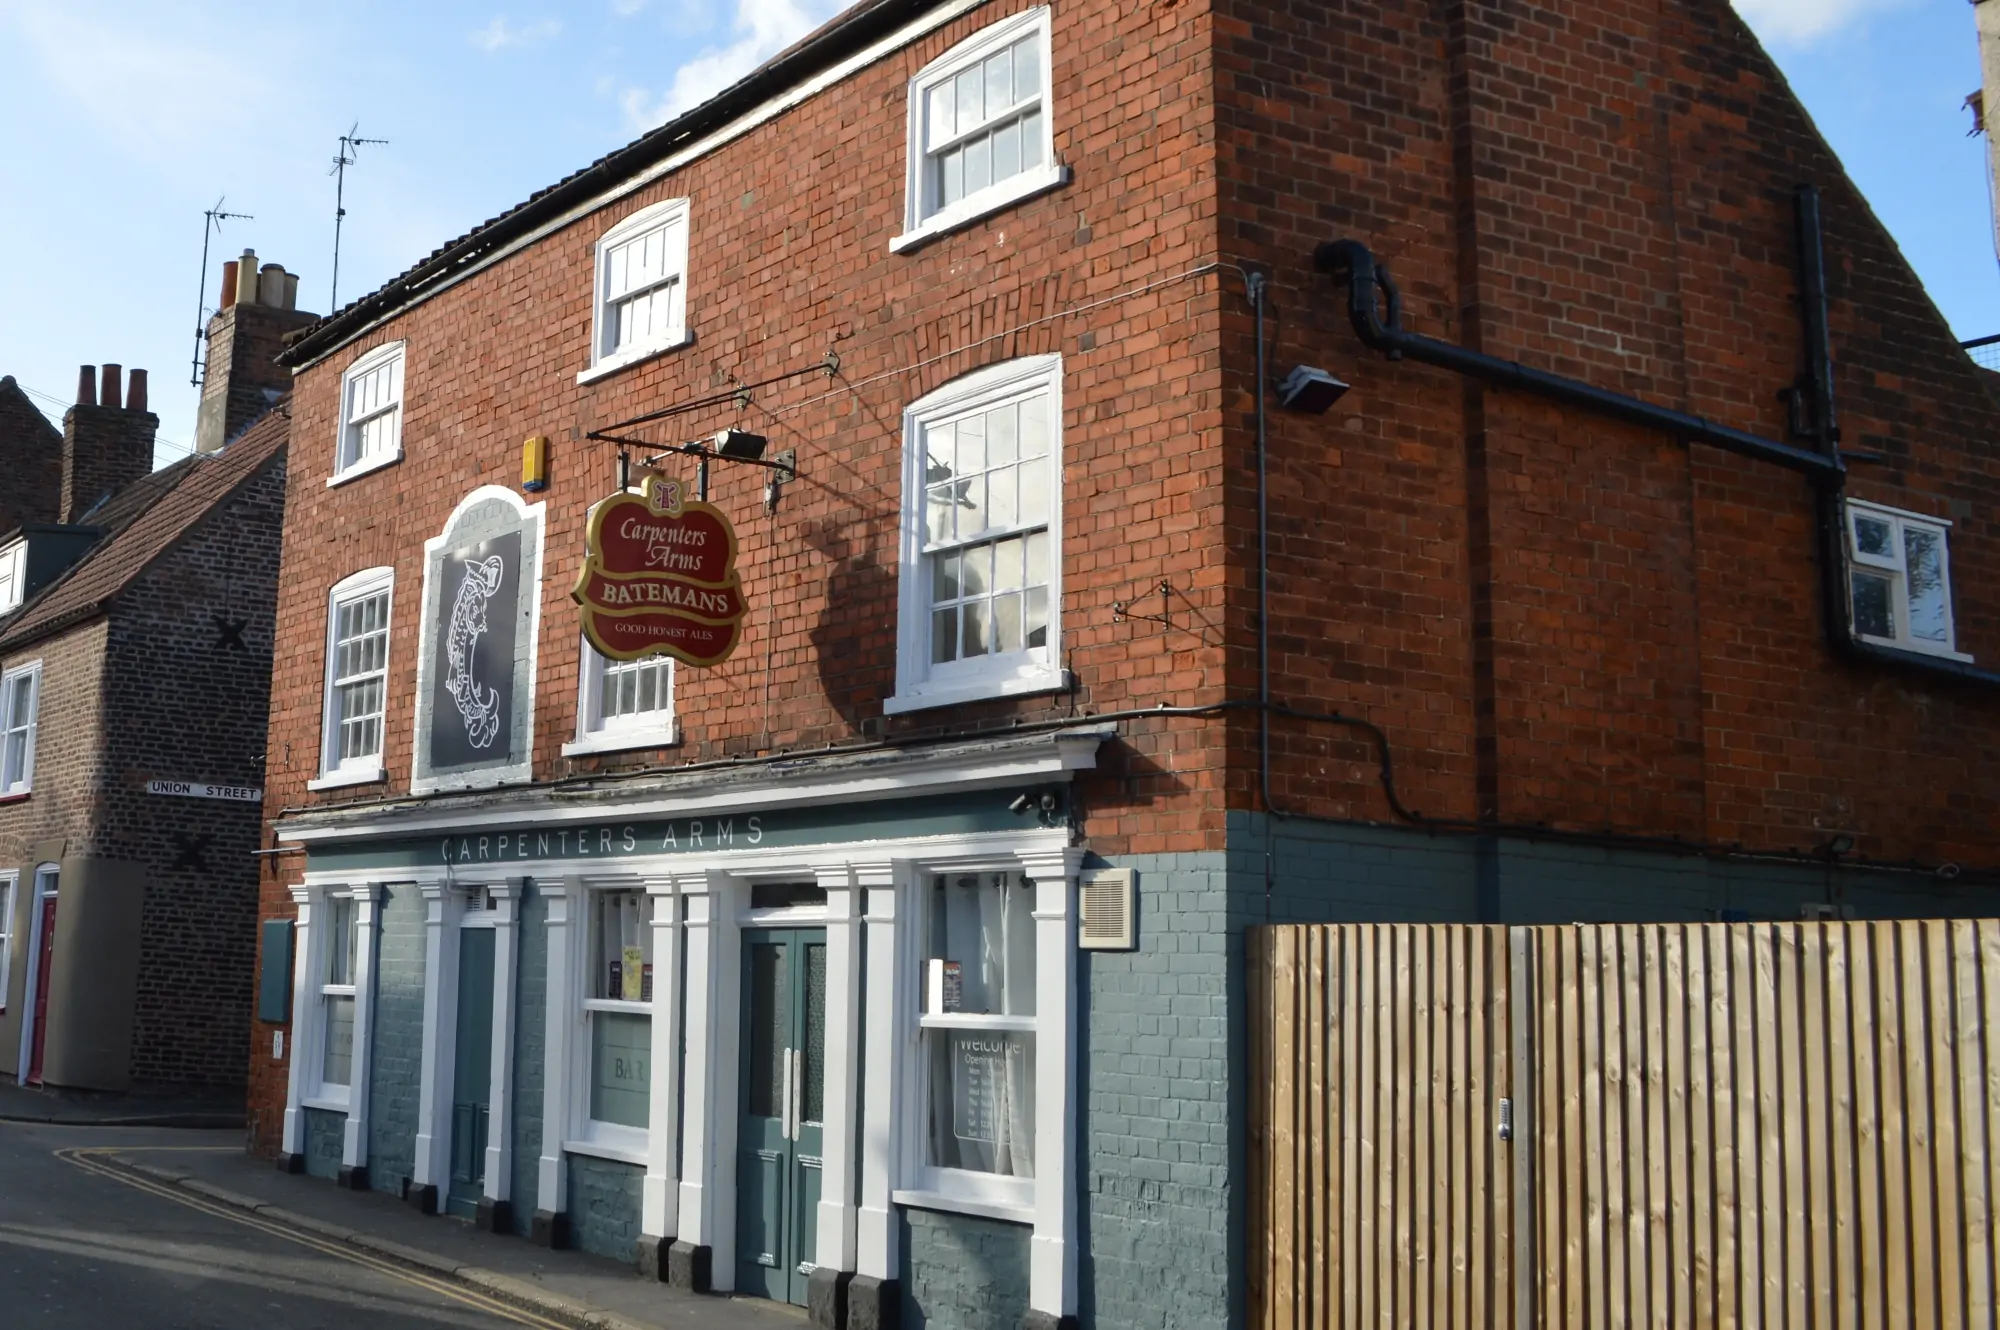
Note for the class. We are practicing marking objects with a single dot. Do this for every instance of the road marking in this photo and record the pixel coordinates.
(86, 1159)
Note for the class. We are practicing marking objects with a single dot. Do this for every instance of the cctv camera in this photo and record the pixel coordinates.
(1020, 804)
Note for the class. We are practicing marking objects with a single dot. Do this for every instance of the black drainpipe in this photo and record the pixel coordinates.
(1370, 289)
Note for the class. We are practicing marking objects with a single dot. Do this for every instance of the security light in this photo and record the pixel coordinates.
(1310, 391)
(1021, 804)
(738, 443)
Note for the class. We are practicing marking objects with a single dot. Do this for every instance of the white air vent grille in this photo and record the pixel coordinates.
(1107, 920)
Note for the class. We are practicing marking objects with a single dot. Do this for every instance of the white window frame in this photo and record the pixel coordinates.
(13, 575)
(659, 728)
(588, 1135)
(346, 465)
(322, 1092)
(922, 221)
(10, 883)
(1033, 669)
(1899, 520)
(18, 785)
(354, 771)
(673, 218)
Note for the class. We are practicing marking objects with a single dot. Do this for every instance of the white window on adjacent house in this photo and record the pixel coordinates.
(8, 893)
(980, 133)
(371, 413)
(618, 1009)
(623, 704)
(336, 994)
(641, 288)
(981, 566)
(13, 575)
(1899, 579)
(978, 1030)
(20, 697)
(357, 679)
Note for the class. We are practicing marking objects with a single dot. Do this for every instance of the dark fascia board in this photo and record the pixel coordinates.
(861, 27)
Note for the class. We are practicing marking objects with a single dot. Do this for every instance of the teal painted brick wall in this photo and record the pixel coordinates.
(325, 1136)
(396, 1060)
(530, 1037)
(963, 1273)
(604, 1207)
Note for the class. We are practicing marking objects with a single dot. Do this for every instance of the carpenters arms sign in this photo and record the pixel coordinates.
(659, 577)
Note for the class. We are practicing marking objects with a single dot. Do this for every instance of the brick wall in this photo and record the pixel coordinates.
(963, 1273)
(243, 377)
(105, 448)
(31, 455)
(604, 1207)
(325, 1142)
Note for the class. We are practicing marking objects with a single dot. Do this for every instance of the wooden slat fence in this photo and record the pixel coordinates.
(1728, 1126)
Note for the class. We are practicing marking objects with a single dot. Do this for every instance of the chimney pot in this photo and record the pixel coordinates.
(135, 393)
(246, 278)
(271, 286)
(228, 285)
(86, 386)
(110, 393)
(291, 290)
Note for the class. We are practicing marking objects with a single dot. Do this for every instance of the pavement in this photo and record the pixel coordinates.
(210, 1171)
(75, 1108)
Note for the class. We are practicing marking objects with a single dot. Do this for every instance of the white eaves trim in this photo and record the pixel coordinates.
(918, 27)
(782, 787)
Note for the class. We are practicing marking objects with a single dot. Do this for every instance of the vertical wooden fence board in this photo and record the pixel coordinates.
(1843, 1154)
(1942, 1055)
(1978, 1142)
(1699, 1140)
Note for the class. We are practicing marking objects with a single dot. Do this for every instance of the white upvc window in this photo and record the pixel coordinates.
(616, 1095)
(336, 997)
(981, 567)
(13, 575)
(357, 679)
(980, 131)
(1899, 579)
(20, 698)
(8, 884)
(622, 704)
(371, 413)
(977, 1082)
(640, 303)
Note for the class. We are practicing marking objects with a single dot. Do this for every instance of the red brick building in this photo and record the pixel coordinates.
(891, 965)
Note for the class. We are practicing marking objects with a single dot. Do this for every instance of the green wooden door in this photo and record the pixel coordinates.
(472, 1070)
(779, 1138)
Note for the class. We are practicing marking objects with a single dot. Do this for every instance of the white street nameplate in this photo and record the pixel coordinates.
(194, 789)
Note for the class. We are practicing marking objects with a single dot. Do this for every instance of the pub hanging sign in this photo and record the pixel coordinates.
(659, 577)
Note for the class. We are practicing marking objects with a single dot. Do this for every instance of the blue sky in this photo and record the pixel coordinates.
(120, 122)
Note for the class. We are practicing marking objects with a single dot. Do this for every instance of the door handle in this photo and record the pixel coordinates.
(785, 1104)
(798, 1088)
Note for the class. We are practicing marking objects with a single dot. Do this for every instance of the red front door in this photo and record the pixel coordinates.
(42, 988)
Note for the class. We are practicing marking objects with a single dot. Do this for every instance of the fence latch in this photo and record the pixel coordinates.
(1506, 1128)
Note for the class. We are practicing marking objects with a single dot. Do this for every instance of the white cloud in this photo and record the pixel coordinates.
(762, 28)
(500, 34)
(1800, 21)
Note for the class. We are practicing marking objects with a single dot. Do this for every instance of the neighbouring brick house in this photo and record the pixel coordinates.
(135, 659)
(770, 975)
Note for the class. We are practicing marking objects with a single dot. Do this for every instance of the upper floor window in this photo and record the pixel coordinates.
(1900, 579)
(371, 413)
(357, 678)
(623, 704)
(13, 574)
(20, 696)
(980, 132)
(981, 566)
(641, 302)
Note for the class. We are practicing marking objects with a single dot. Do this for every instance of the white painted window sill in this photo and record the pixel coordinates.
(323, 1103)
(484, 779)
(360, 469)
(621, 741)
(605, 368)
(622, 1154)
(962, 1020)
(965, 1205)
(985, 203)
(335, 780)
(1919, 647)
(924, 696)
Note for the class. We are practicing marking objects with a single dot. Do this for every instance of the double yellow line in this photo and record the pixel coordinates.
(88, 1159)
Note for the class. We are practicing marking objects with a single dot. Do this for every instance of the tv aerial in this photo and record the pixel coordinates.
(346, 157)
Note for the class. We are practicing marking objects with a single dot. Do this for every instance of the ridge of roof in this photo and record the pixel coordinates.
(150, 524)
(844, 34)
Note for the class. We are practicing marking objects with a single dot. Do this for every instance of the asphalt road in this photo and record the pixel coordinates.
(81, 1249)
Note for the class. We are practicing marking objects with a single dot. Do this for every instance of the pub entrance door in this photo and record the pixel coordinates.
(778, 1159)
(472, 1071)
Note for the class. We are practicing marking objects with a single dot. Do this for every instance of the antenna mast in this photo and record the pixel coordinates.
(344, 159)
(211, 226)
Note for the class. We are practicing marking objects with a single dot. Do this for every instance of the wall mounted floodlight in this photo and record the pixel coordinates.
(740, 444)
(1310, 391)
(1840, 844)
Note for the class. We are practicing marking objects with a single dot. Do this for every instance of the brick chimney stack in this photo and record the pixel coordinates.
(243, 378)
(107, 442)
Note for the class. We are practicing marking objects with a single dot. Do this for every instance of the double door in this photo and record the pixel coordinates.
(778, 1166)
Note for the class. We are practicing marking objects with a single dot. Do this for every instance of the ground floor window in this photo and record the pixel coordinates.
(618, 1005)
(337, 996)
(7, 902)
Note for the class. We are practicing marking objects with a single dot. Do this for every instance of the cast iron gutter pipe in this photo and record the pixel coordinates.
(1351, 262)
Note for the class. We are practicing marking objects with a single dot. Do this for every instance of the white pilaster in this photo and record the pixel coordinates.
(354, 1146)
(564, 1012)
(886, 1045)
(660, 1192)
(433, 1154)
(706, 907)
(500, 1094)
(302, 971)
(1052, 1263)
(834, 1245)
